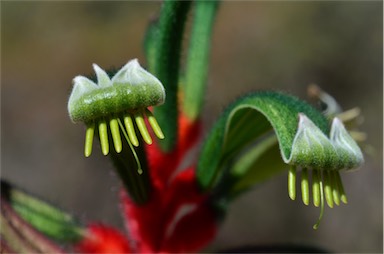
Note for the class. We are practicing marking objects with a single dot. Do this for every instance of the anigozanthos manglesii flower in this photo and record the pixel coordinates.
(251, 131)
(326, 156)
(124, 98)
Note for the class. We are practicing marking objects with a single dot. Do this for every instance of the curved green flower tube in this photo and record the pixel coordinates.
(249, 130)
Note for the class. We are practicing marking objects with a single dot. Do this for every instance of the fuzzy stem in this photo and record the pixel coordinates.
(198, 58)
(167, 46)
(131, 165)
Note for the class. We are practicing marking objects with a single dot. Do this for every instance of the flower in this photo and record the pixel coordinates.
(311, 148)
(121, 99)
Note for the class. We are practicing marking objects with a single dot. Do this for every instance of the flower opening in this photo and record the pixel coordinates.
(326, 157)
(117, 103)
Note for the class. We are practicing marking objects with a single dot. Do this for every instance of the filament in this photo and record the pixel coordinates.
(139, 169)
(316, 226)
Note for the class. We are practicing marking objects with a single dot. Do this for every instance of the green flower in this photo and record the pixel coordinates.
(243, 147)
(124, 98)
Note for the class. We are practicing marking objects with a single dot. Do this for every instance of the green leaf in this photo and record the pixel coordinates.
(244, 121)
(43, 216)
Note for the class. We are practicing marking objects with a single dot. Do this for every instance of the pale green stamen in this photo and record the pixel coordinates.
(143, 128)
(328, 188)
(114, 126)
(339, 183)
(305, 186)
(316, 226)
(139, 169)
(335, 188)
(103, 135)
(89, 133)
(292, 182)
(316, 187)
(154, 124)
(131, 130)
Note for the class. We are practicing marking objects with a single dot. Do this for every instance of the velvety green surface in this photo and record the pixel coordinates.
(115, 99)
(245, 120)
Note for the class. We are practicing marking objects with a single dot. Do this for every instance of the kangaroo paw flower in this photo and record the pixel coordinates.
(312, 149)
(244, 138)
(124, 98)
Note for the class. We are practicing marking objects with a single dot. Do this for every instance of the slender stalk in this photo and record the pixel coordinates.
(167, 42)
(321, 187)
(198, 58)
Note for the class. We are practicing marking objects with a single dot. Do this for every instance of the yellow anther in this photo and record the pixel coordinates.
(89, 133)
(103, 135)
(114, 126)
(292, 182)
(143, 128)
(154, 124)
(131, 130)
(305, 186)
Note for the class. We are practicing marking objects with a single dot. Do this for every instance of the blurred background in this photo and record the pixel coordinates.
(256, 45)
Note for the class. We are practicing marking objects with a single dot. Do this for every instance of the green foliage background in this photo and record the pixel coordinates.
(256, 45)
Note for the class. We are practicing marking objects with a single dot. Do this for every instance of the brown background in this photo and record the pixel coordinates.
(256, 45)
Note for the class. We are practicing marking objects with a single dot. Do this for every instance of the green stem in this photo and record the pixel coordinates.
(167, 46)
(131, 165)
(198, 57)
